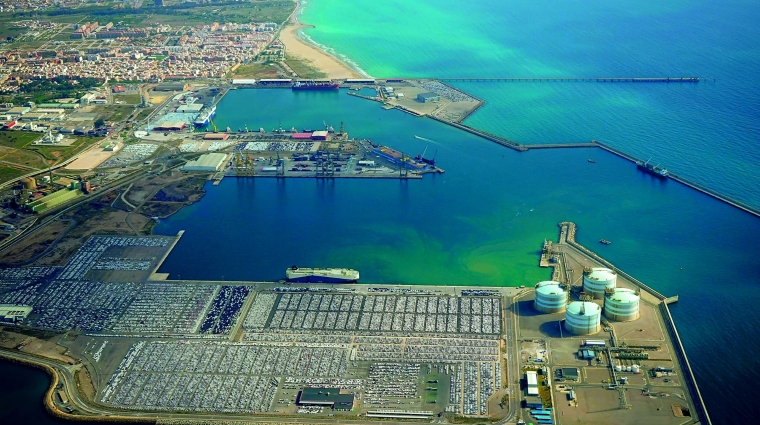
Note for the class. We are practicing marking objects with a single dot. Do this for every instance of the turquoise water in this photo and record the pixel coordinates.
(706, 131)
(483, 221)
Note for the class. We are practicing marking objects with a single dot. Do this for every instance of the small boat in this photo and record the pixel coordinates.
(605, 241)
(593, 161)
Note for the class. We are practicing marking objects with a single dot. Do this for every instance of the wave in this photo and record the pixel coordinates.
(329, 50)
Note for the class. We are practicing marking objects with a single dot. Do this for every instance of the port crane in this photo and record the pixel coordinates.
(213, 125)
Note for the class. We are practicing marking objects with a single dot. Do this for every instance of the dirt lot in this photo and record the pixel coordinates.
(602, 406)
(37, 343)
(35, 243)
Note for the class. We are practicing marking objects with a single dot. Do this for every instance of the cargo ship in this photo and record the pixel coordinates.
(654, 170)
(205, 116)
(315, 85)
(399, 158)
(314, 275)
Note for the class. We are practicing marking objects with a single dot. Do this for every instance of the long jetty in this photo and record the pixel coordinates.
(597, 144)
(590, 80)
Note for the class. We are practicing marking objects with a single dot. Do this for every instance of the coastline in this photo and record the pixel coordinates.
(325, 62)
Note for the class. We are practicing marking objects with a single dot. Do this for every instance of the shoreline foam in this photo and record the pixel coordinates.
(302, 46)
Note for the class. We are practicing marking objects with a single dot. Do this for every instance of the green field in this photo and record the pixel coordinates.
(17, 139)
(303, 68)
(256, 70)
(9, 173)
(57, 154)
(115, 112)
(130, 99)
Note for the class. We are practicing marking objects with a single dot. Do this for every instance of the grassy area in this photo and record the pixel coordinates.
(9, 173)
(143, 114)
(57, 154)
(17, 139)
(256, 70)
(22, 157)
(115, 112)
(130, 99)
(303, 68)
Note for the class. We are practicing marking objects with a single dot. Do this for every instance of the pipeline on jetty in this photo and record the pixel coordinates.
(593, 80)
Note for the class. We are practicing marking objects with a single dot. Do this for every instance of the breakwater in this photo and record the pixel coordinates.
(597, 144)
(591, 80)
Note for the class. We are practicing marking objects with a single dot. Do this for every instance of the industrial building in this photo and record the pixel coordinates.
(209, 162)
(319, 135)
(531, 377)
(180, 86)
(428, 97)
(621, 304)
(597, 280)
(10, 313)
(551, 297)
(583, 318)
(52, 200)
(170, 126)
(320, 396)
(534, 402)
(190, 108)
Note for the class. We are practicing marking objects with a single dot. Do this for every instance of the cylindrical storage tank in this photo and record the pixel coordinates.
(635, 369)
(583, 318)
(29, 183)
(596, 280)
(621, 304)
(618, 368)
(628, 369)
(550, 297)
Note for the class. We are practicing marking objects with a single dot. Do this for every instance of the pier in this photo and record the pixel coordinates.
(579, 80)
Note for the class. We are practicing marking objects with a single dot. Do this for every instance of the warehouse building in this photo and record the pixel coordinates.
(209, 162)
(178, 86)
(10, 313)
(170, 126)
(320, 396)
(428, 97)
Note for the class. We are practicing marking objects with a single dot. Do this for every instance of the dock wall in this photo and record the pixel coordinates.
(691, 381)
(572, 228)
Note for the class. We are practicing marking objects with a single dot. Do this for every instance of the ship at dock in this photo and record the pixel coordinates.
(315, 85)
(654, 170)
(316, 275)
(205, 116)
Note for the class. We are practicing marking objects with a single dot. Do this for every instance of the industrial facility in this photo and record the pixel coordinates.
(331, 397)
(583, 318)
(209, 162)
(598, 279)
(621, 304)
(551, 297)
(10, 313)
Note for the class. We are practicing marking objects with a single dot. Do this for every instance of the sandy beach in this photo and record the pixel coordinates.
(323, 61)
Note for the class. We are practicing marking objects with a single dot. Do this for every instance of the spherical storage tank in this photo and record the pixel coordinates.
(583, 318)
(621, 304)
(550, 297)
(596, 280)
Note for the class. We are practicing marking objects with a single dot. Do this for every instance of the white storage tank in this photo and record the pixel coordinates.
(583, 318)
(621, 304)
(596, 280)
(635, 369)
(618, 368)
(551, 297)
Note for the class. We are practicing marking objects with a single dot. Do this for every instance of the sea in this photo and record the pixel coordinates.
(483, 221)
